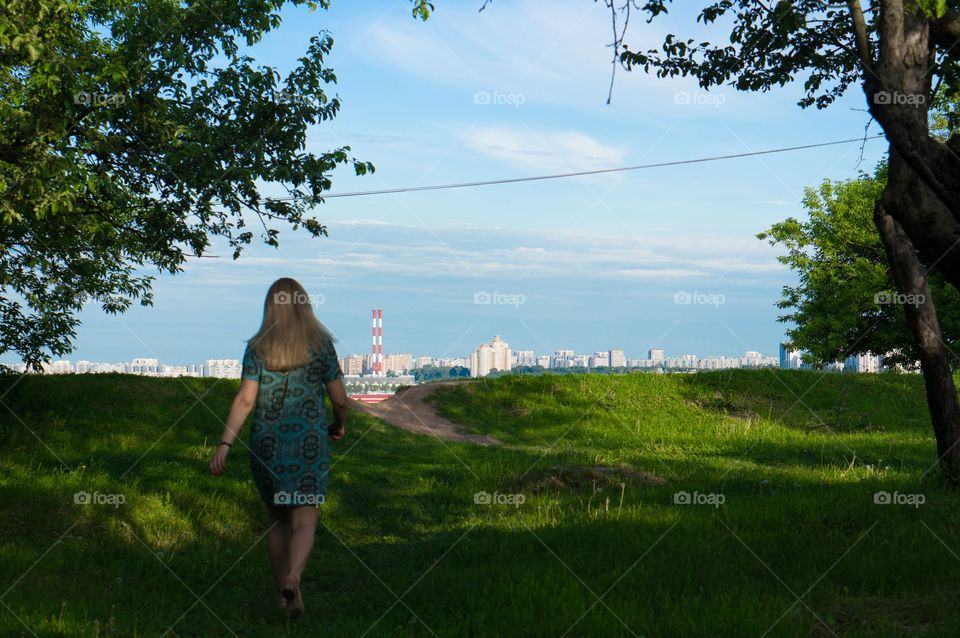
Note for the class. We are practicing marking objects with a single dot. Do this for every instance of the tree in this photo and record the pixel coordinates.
(902, 53)
(131, 135)
(845, 302)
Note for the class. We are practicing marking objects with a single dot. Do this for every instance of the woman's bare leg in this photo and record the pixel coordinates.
(303, 525)
(278, 543)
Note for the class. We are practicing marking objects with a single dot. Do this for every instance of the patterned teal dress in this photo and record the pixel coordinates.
(289, 448)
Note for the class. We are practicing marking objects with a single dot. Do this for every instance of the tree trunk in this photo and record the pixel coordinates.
(921, 315)
(898, 89)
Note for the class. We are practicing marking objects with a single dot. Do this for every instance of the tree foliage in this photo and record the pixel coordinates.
(845, 301)
(771, 44)
(135, 133)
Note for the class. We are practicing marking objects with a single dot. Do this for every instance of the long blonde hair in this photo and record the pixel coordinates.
(289, 327)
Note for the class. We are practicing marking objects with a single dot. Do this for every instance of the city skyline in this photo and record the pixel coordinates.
(386, 356)
(495, 355)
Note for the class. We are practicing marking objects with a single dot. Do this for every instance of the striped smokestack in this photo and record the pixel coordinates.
(376, 358)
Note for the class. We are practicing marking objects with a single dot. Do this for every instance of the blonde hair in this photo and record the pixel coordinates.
(289, 329)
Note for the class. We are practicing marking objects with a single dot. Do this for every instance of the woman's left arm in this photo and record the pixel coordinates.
(239, 411)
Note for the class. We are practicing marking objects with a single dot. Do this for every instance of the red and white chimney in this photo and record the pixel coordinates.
(376, 358)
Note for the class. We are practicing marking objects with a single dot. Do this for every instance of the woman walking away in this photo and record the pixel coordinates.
(288, 366)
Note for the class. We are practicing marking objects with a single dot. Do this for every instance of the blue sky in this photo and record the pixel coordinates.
(596, 261)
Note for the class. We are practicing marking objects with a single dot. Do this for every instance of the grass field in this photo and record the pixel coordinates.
(587, 532)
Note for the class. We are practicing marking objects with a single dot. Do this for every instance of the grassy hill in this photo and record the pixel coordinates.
(783, 537)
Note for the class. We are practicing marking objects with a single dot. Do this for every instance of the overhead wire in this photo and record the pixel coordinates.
(599, 171)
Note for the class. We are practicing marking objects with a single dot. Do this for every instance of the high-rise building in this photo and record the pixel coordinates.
(58, 367)
(562, 359)
(616, 358)
(398, 363)
(863, 362)
(524, 358)
(752, 359)
(789, 359)
(221, 368)
(142, 366)
(543, 361)
(490, 356)
(599, 360)
(352, 365)
(655, 355)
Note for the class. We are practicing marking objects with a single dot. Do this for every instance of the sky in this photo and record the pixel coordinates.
(586, 263)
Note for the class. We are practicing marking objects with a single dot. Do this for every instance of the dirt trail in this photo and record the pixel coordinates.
(407, 410)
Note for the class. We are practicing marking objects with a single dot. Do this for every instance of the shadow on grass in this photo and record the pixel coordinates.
(533, 569)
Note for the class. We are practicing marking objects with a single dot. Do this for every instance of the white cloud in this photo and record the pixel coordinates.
(377, 251)
(561, 151)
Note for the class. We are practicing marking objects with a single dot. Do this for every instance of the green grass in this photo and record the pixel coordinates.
(796, 456)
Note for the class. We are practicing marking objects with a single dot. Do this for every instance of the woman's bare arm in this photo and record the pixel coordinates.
(338, 398)
(239, 411)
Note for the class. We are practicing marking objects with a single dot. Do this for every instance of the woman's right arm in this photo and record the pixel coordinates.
(338, 398)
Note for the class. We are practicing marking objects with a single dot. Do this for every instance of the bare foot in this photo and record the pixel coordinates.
(291, 593)
(281, 601)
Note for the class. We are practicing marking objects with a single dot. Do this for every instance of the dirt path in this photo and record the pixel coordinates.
(407, 410)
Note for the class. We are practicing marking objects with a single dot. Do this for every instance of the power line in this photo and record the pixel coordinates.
(535, 178)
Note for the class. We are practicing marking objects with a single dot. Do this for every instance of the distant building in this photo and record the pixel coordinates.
(142, 366)
(686, 362)
(423, 361)
(789, 359)
(524, 358)
(352, 365)
(599, 360)
(453, 362)
(183, 371)
(398, 363)
(656, 356)
(616, 358)
(221, 368)
(490, 356)
(866, 362)
(562, 359)
(58, 367)
(543, 361)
